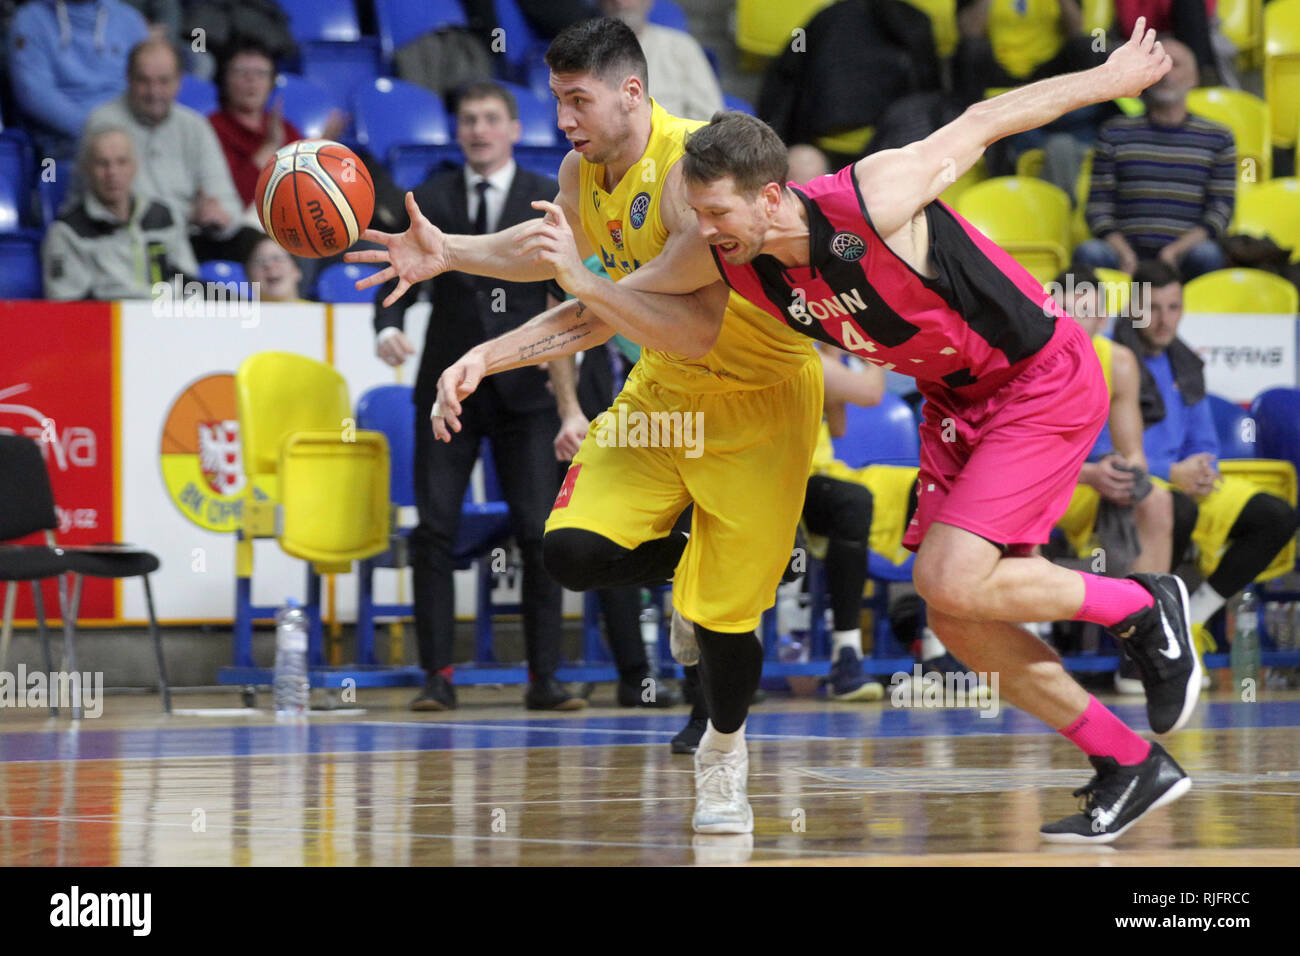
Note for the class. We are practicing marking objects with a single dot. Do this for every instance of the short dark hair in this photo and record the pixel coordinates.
(487, 90)
(241, 45)
(1082, 274)
(1157, 272)
(605, 47)
(737, 145)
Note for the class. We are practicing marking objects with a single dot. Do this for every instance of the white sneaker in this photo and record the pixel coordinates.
(721, 794)
(681, 639)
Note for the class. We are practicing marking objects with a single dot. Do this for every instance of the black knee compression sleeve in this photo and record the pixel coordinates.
(1262, 529)
(581, 560)
(730, 668)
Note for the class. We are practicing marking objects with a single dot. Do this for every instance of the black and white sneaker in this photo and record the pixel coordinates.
(1158, 639)
(1117, 797)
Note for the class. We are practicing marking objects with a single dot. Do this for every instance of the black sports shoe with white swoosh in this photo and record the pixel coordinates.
(1158, 639)
(1118, 796)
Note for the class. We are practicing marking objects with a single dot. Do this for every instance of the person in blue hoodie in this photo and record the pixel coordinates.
(1239, 528)
(66, 57)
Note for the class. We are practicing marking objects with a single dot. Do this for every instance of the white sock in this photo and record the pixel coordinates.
(1204, 602)
(713, 739)
(850, 638)
(931, 646)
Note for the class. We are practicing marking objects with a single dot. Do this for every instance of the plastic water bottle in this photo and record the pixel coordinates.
(650, 634)
(292, 691)
(1245, 644)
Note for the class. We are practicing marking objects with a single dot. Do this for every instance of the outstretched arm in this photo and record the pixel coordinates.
(897, 183)
(424, 251)
(563, 330)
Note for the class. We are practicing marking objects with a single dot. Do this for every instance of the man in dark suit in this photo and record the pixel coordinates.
(514, 410)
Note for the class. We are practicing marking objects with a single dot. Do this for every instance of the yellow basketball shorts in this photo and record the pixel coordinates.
(741, 456)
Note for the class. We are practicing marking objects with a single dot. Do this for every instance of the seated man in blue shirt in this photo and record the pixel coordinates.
(1239, 528)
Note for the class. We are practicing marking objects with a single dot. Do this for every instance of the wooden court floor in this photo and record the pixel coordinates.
(863, 784)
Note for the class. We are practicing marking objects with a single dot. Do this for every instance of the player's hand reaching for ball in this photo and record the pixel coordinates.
(458, 381)
(1138, 63)
(550, 241)
(417, 254)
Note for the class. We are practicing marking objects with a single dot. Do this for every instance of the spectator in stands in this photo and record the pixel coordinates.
(180, 159)
(163, 16)
(114, 243)
(275, 271)
(249, 132)
(1239, 529)
(1163, 184)
(1188, 20)
(1011, 42)
(515, 409)
(67, 57)
(681, 79)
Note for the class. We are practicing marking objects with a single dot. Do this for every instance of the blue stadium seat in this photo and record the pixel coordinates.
(339, 67)
(221, 270)
(411, 165)
(736, 103)
(322, 19)
(882, 434)
(668, 14)
(401, 21)
(198, 94)
(15, 173)
(536, 117)
(52, 196)
(543, 160)
(20, 266)
(522, 45)
(390, 113)
(1277, 424)
(306, 105)
(338, 283)
(1236, 439)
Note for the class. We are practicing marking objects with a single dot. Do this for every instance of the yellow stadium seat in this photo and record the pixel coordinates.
(1282, 68)
(1277, 478)
(1029, 218)
(851, 142)
(766, 27)
(1241, 290)
(320, 478)
(1098, 15)
(1030, 163)
(1117, 285)
(943, 23)
(1271, 209)
(1242, 22)
(1248, 118)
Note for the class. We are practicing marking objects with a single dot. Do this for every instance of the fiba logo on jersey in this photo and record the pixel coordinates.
(640, 206)
(848, 246)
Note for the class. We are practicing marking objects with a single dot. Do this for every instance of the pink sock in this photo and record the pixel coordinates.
(1107, 601)
(1099, 733)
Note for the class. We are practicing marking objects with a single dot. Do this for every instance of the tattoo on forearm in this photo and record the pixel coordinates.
(556, 340)
(582, 307)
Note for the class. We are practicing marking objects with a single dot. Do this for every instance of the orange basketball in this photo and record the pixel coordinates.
(314, 198)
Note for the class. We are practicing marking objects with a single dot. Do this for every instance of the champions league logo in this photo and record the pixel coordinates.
(640, 206)
(848, 246)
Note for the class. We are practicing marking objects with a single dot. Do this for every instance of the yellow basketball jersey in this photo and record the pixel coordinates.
(1024, 33)
(753, 350)
(1104, 347)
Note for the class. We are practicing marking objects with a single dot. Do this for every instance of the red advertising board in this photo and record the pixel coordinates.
(56, 385)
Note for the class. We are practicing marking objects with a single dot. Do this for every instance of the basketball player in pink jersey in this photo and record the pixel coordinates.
(866, 259)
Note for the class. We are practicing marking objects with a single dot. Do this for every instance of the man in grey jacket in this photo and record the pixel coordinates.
(114, 243)
(180, 160)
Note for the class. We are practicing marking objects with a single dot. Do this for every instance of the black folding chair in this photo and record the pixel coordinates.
(27, 506)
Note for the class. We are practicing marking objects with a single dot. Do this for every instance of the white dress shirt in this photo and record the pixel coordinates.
(498, 186)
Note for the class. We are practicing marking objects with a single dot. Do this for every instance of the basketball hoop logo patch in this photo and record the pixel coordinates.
(848, 246)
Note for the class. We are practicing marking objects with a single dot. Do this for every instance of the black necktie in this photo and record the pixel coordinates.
(480, 215)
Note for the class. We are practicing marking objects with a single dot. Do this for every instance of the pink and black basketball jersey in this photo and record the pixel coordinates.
(967, 329)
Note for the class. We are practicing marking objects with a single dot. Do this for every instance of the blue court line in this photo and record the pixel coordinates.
(625, 730)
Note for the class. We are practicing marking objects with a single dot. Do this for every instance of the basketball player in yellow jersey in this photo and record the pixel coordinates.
(721, 410)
